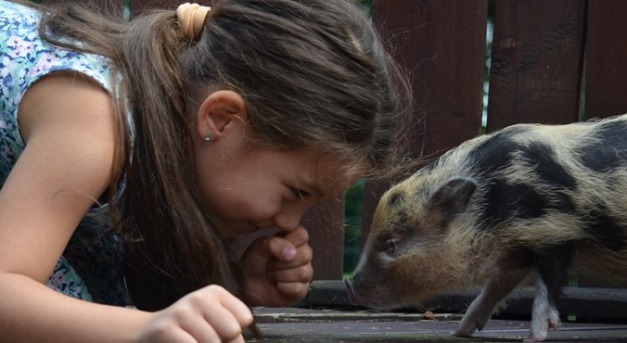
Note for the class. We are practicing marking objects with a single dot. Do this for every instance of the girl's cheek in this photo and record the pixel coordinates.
(268, 209)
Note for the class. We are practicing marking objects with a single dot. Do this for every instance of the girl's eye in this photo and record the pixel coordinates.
(299, 193)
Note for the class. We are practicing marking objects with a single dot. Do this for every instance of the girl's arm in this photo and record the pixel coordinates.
(69, 128)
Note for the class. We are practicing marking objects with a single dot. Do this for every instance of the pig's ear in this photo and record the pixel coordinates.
(452, 198)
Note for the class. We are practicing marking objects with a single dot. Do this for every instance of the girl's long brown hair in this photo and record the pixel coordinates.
(313, 74)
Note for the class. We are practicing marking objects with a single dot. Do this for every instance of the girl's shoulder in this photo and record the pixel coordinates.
(17, 13)
(26, 56)
(25, 59)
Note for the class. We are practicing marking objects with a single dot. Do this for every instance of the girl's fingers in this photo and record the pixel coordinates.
(302, 255)
(297, 237)
(293, 291)
(299, 274)
(219, 316)
(239, 339)
(235, 306)
(201, 330)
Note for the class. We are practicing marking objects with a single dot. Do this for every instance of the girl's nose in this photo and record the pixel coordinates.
(289, 218)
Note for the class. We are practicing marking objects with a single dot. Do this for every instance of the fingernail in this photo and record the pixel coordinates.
(289, 253)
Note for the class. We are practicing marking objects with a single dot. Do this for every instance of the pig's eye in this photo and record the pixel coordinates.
(391, 246)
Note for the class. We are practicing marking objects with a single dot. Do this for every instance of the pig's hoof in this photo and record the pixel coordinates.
(536, 336)
(463, 333)
(468, 326)
(554, 322)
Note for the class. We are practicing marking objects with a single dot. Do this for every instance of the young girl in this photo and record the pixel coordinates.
(131, 154)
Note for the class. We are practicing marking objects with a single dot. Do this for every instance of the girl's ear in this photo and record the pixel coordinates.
(219, 112)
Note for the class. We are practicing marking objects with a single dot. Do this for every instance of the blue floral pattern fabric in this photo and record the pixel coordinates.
(91, 267)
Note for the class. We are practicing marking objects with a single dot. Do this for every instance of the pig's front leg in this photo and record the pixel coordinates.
(544, 315)
(481, 309)
(551, 264)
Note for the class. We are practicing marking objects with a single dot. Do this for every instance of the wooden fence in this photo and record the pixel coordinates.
(552, 61)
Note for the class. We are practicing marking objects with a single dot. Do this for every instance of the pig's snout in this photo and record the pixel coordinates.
(365, 295)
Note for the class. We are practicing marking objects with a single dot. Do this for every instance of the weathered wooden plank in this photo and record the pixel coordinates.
(441, 44)
(588, 315)
(606, 56)
(323, 325)
(536, 62)
(584, 303)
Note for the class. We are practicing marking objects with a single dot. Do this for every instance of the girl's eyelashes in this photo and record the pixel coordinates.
(299, 193)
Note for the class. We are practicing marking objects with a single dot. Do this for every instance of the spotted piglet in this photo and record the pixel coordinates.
(529, 200)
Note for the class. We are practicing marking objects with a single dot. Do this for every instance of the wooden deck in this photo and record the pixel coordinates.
(594, 315)
(324, 325)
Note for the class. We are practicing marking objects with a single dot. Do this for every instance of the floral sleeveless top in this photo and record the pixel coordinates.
(91, 267)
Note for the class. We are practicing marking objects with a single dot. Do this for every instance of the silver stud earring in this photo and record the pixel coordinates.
(207, 137)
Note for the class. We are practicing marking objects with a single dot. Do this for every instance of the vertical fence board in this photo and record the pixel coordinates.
(536, 62)
(325, 224)
(441, 43)
(606, 58)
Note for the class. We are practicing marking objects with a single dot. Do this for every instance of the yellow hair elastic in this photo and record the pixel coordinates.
(191, 18)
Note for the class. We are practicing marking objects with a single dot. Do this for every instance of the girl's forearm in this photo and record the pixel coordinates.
(31, 312)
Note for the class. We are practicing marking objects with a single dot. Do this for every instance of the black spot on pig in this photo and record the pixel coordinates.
(493, 154)
(552, 173)
(504, 201)
(605, 229)
(562, 202)
(552, 264)
(608, 150)
(396, 199)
